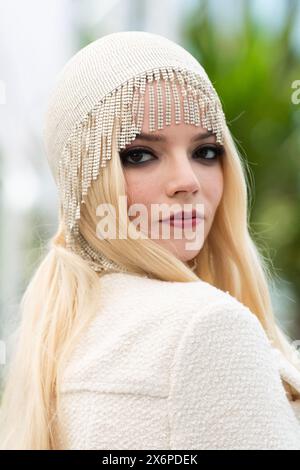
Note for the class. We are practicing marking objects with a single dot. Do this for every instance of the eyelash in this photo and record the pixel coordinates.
(218, 149)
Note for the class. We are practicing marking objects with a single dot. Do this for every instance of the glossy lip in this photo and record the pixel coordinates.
(192, 222)
(183, 216)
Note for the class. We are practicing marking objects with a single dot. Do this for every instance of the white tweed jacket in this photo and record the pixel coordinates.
(171, 365)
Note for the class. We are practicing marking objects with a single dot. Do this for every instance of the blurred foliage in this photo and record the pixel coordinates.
(252, 69)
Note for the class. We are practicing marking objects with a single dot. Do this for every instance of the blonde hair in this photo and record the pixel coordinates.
(63, 295)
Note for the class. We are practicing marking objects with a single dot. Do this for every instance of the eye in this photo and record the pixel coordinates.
(135, 155)
(206, 153)
(209, 153)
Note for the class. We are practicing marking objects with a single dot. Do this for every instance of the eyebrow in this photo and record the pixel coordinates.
(161, 138)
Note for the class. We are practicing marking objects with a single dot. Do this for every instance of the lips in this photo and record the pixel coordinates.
(184, 216)
(191, 222)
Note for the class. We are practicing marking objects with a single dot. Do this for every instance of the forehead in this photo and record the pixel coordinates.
(159, 108)
(159, 103)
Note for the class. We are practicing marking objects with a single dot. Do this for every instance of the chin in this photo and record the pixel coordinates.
(180, 250)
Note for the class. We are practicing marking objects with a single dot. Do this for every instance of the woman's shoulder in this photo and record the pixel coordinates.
(137, 328)
(159, 312)
(182, 297)
(175, 303)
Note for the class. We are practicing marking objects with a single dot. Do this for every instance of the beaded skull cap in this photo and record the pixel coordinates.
(107, 79)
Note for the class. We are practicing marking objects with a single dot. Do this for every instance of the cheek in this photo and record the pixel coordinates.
(218, 185)
(139, 189)
(212, 186)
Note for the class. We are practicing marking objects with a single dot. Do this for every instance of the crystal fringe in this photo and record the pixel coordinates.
(88, 148)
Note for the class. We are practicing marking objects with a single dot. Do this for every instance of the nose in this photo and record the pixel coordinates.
(181, 177)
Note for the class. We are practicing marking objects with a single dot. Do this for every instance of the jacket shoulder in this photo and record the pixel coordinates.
(130, 342)
(225, 386)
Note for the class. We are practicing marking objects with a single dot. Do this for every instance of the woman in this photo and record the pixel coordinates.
(160, 334)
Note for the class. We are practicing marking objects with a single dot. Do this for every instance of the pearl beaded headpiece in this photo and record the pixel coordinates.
(107, 78)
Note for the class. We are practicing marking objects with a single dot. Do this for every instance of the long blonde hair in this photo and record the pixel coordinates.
(63, 295)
